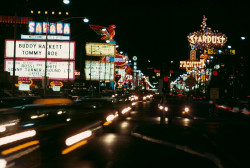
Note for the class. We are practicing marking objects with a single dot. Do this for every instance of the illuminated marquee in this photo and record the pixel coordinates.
(100, 49)
(34, 49)
(49, 28)
(35, 69)
(95, 70)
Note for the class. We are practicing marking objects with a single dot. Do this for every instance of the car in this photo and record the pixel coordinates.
(16, 101)
(54, 122)
(102, 108)
(124, 105)
(175, 107)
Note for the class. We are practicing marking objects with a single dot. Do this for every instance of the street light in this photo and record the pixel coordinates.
(86, 20)
(66, 2)
(242, 38)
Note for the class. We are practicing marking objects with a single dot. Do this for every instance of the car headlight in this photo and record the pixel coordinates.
(166, 108)
(161, 107)
(133, 104)
(186, 109)
(110, 117)
(126, 110)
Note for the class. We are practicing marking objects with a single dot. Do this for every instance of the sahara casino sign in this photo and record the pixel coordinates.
(206, 38)
(49, 28)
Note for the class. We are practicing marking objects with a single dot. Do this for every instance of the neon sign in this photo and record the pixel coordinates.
(190, 64)
(206, 38)
(49, 28)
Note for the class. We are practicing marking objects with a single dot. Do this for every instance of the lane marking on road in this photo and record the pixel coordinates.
(209, 156)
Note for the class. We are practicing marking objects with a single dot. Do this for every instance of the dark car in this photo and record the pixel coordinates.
(175, 107)
(16, 101)
(101, 108)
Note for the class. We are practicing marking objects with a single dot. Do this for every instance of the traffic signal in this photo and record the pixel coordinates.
(215, 73)
(165, 79)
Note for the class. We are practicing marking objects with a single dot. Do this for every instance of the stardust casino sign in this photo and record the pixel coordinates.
(206, 38)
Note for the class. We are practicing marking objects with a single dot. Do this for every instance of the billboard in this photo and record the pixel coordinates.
(120, 60)
(99, 70)
(120, 71)
(35, 69)
(34, 49)
(100, 49)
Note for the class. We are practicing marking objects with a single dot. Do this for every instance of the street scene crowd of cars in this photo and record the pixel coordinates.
(65, 124)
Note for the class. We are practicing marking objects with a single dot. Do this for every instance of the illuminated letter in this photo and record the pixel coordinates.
(59, 28)
(45, 27)
(181, 64)
(222, 39)
(218, 40)
(195, 39)
(192, 39)
(204, 38)
(209, 39)
(32, 26)
(191, 64)
(52, 28)
(66, 29)
(39, 27)
(213, 39)
(200, 39)
(195, 64)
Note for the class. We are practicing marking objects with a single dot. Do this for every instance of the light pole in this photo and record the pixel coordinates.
(14, 56)
(85, 20)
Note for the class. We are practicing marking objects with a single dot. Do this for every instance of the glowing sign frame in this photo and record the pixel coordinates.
(98, 71)
(55, 70)
(36, 49)
(100, 49)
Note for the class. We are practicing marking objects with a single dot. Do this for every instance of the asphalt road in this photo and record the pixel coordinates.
(139, 140)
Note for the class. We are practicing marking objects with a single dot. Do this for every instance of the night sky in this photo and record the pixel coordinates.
(153, 30)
